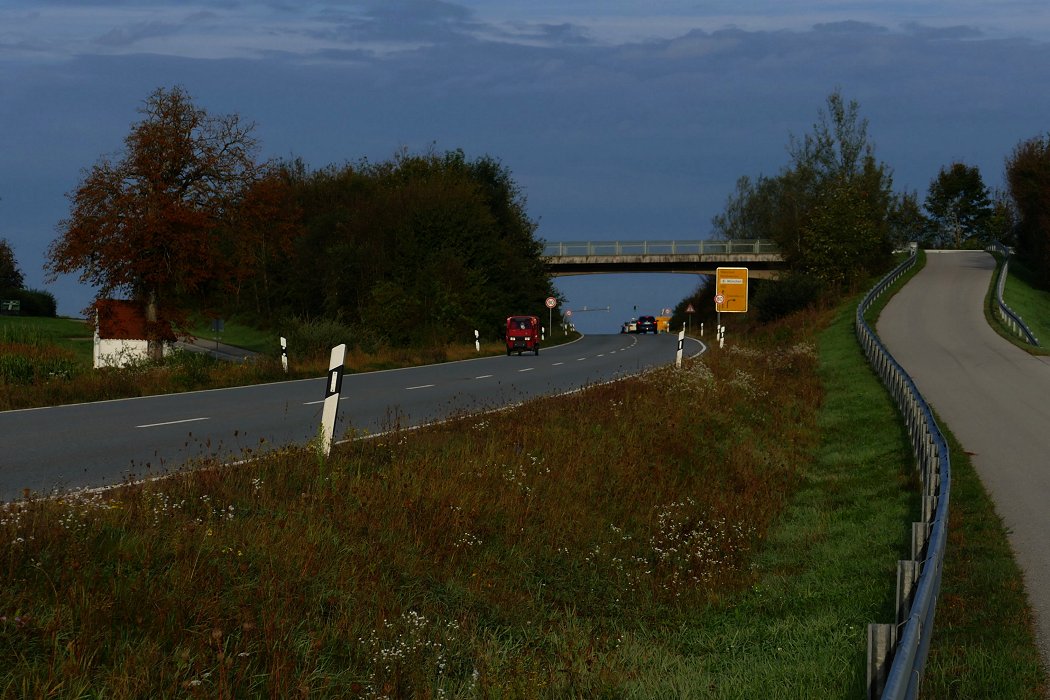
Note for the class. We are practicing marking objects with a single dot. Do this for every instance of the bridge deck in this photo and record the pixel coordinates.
(699, 257)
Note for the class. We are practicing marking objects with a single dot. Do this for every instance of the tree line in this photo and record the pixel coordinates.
(31, 302)
(417, 249)
(836, 218)
(426, 247)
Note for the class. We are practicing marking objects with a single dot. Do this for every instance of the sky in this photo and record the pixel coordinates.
(618, 119)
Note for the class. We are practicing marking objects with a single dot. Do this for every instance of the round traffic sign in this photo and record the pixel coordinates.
(551, 302)
(719, 298)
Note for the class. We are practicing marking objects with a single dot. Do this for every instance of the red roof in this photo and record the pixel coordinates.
(120, 319)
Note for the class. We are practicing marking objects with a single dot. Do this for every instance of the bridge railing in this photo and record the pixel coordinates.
(600, 248)
(897, 651)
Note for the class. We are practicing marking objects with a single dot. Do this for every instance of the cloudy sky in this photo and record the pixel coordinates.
(619, 119)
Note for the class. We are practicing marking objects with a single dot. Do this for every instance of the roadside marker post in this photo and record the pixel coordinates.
(681, 347)
(284, 354)
(477, 340)
(331, 397)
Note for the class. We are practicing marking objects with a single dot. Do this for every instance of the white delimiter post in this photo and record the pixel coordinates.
(284, 354)
(477, 340)
(681, 346)
(331, 397)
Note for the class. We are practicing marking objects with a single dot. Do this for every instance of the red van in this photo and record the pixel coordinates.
(523, 334)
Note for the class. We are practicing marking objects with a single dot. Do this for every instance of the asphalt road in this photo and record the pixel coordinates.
(103, 443)
(992, 395)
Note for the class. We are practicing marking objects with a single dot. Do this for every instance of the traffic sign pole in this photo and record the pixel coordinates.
(551, 302)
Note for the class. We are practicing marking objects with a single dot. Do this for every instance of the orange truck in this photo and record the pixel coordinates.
(523, 334)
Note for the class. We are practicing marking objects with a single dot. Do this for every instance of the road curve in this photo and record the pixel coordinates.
(991, 394)
(103, 443)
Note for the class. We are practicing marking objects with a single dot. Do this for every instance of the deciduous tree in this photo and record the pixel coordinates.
(416, 250)
(959, 206)
(1028, 175)
(11, 277)
(829, 209)
(148, 225)
(907, 222)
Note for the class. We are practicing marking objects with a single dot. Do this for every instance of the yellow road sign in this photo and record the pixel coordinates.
(731, 285)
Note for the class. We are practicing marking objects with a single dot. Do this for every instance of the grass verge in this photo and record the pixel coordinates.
(984, 641)
(1030, 303)
(47, 362)
(727, 531)
(241, 336)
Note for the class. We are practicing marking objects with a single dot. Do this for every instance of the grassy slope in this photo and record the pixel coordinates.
(828, 566)
(1031, 304)
(241, 336)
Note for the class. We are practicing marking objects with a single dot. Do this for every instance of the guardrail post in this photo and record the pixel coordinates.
(907, 574)
(920, 535)
(929, 507)
(882, 640)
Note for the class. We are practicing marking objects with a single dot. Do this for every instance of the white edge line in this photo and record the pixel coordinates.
(171, 422)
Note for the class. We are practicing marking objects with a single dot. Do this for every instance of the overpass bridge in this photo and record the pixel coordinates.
(761, 257)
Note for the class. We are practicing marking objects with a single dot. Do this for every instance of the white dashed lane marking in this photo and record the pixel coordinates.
(171, 422)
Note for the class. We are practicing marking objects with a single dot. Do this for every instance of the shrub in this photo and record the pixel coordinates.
(33, 302)
(311, 338)
(793, 292)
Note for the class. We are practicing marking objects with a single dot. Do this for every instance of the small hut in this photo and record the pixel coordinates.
(120, 334)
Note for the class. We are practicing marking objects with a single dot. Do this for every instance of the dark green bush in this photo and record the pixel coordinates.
(34, 302)
(315, 337)
(792, 292)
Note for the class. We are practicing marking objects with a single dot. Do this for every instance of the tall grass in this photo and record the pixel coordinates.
(723, 531)
(532, 553)
(41, 350)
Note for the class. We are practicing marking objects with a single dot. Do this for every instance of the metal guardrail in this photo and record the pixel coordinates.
(597, 248)
(1009, 318)
(897, 651)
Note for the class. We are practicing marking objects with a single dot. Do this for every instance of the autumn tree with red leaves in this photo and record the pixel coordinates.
(150, 225)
